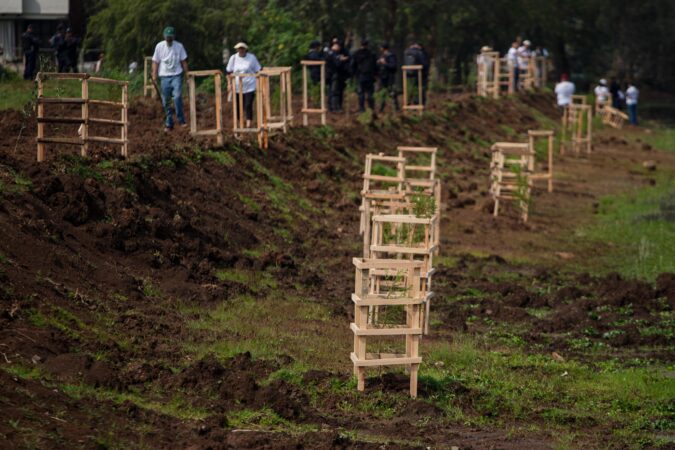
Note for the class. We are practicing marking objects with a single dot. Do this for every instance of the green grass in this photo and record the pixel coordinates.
(640, 226)
(507, 385)
(15, 94)
(661, 139)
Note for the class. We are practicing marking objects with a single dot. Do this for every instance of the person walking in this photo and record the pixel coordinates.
(169, 63)
(524, 55)
(31, 50)
(337, 73)
(512, 58)
(632, 94)
(564, 92)
(416, 55)
(601, 94)
(71, 43)
(315, 54)
(387, 66)
(58, 43)
(244, 62)
(364, 69)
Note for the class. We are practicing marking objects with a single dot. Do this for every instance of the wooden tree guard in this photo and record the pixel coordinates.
(613, 117)
(527, 76)
(419, 106)
(387, 283)
(218, 102)
(284, 117)
(238, 116)
(488, 74)
(428, 185)
(510, 175)
(85, 119)
(541, 71)
(506, 76)
(581, 126)
(381, 193)
(414, 240)
(306, 110)
(147, 78)
(548, 175)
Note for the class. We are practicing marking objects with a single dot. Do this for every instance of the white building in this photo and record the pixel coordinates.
(15, 15)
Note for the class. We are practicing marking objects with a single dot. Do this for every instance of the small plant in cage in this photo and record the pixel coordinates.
(522, 192)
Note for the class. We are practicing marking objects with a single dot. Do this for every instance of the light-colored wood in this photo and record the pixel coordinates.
(488, 74)
(534, 174)
(217, 131)
(404, 73)
(147, 78)
(85, 119)
(510, 172)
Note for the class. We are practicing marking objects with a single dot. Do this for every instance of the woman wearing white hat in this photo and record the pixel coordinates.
(244, 62)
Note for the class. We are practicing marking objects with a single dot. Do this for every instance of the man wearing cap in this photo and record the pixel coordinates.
(315, 54)
(169, 63)
(364, 68)
(31, 49)
(244, 62)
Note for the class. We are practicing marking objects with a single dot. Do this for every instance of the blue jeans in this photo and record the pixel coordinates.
(172, 87)
(632, 114)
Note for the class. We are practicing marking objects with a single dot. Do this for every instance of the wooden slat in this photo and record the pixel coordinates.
(206, 132)
(383, 178)
(397, 159)
(394, 360)
(417, 149)
(66, 141)
(107, 122)
(419, 168)
(376, 263)
(404, 250)
(307, 62)
(61, 100)
(402, 218)
(72, 120)
(106, 140)
(384, 331)
(105, 102)
(204, 73)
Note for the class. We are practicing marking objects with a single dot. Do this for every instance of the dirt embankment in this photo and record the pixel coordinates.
(100, 255)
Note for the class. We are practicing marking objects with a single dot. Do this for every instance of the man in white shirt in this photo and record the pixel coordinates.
(632, 94)
(512, 58)
(601, 93)
(244, 62)
(524, 54)
(564, 92)
(169, 63)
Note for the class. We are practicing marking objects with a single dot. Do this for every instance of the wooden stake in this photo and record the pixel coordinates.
(40, 125)
(85, 117)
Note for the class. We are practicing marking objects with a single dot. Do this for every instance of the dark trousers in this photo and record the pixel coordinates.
(31, 65)
(632, 114)
(366, 89)
(335, 94)
(248, 99)
(390, 87)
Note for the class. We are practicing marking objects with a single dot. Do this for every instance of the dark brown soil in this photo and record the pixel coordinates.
(99, 255)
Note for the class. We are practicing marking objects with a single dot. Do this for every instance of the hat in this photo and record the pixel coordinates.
(169, 32)
(526, 42)
(241, 45)
(485, 48)
(603, 82)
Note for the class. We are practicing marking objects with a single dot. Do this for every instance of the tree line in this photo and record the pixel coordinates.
(586, 38)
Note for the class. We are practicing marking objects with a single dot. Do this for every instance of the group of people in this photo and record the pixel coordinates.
(169, 66)
(65, 45)
(366, 68)
(565, 90)
(520, 56)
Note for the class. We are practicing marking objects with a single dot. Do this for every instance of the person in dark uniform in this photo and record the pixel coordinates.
(315, 54)
(71, 44)
(416, 55)
(364, 68)
(387, 66)
(337, 73)
(58, 43)
(614, 89)
(31, 50)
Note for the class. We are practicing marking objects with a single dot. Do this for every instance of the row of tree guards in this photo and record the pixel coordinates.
(497, 75)
(400, 225)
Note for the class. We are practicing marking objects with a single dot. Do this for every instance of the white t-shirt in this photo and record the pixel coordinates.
(169, 58)
(512, 56)
(632, 94)
(247, 64)
(602, 93)
(523, 56)
(564, 91)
